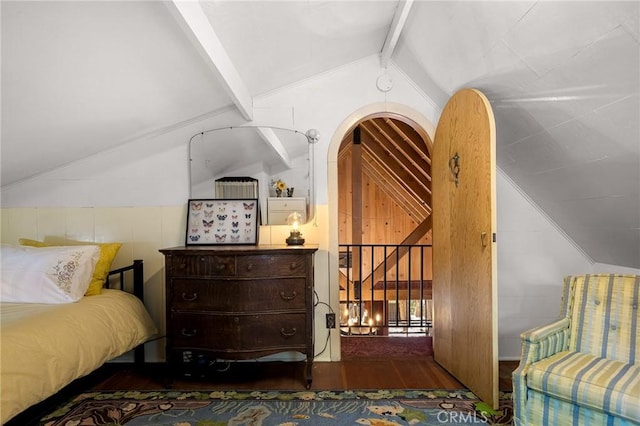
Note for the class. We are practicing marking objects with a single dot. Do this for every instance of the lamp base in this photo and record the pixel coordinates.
(295, 239)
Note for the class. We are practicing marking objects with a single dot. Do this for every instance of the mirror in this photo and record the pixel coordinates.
(267, 154)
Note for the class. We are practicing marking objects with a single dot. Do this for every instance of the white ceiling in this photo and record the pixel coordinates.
(563, 79)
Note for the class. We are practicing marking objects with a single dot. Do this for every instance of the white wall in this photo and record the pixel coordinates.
(604, 268)
(137, 194)
(533, 258)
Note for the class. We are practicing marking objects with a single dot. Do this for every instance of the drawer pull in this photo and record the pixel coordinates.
(236, 320)
(293, 265)
(249, 266)
(285, 297)
(193, 297)
(220, 266)
(288, 333)
(186, 333)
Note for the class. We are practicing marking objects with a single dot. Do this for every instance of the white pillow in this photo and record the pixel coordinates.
(46, 274)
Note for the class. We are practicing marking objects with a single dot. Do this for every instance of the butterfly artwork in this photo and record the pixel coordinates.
(214, 221)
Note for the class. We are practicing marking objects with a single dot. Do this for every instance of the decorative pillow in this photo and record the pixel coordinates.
(108, 252)
(46, 274)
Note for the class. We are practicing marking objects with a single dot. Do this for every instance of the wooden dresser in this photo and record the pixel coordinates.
(238, 303)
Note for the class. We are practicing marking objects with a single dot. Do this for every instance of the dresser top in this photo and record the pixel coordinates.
(239, 249)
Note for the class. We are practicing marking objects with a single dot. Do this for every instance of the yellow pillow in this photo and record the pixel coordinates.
(108, 252)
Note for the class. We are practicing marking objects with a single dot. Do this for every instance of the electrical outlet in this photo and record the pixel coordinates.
(331, 320)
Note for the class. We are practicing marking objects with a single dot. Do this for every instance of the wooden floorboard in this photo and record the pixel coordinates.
(348, 374)
(364, 368)
(368, 363)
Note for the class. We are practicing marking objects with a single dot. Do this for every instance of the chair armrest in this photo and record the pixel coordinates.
(537, 344)
(542, 342)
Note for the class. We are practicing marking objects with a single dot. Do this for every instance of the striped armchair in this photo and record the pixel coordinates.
(584, 368)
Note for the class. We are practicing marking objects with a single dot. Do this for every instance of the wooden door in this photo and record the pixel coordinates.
(464, 251)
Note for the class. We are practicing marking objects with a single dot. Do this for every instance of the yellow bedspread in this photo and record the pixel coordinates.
(45, 347)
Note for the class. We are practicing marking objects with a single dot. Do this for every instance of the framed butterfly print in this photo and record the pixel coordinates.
(222, 221)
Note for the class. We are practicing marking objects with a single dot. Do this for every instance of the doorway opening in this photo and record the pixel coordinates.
(384, 238)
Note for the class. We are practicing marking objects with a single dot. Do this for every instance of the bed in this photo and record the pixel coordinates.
(44, 347)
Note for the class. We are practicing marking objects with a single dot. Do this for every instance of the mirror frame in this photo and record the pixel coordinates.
(312, 137)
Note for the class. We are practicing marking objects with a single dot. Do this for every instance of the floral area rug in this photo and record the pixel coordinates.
(283, 408)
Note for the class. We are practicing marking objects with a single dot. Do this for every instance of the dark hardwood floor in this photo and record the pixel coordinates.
(346, 374)
(367, 363)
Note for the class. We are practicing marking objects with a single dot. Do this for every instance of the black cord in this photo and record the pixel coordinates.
(315, 304)
(318, 302)
(326, 342)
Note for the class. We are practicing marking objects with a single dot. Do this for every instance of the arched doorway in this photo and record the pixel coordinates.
(378, 119)
(385, 268)
(465, 238)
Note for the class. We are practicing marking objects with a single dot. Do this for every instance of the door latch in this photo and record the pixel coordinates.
(454, 166)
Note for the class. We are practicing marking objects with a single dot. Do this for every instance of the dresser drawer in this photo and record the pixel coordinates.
(228, 333)
(281, 294)
(237, 303)
(272, 266)
(201, 265)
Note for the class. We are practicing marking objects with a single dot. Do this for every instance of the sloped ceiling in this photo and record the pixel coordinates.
(563, 79)
(395, 157)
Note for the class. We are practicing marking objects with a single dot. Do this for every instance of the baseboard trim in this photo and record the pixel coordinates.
(509, 358)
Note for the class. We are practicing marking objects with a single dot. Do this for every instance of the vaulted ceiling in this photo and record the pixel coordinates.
(396, 158)
(563, 79)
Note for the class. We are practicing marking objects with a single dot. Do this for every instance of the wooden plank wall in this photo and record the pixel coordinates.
(383, 221)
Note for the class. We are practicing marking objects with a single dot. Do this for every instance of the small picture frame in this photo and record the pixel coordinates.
(222, 221)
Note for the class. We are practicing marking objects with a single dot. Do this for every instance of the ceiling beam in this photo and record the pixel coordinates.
(391, 141)
(410, 136)
(392, 182)
(270, 137)
(394, 189)
(397, 23)
(405, 172)
(196, 25)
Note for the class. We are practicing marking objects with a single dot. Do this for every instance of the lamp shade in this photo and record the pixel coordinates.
(295, 237)
(293, 220)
